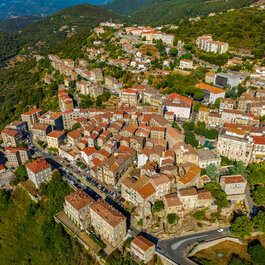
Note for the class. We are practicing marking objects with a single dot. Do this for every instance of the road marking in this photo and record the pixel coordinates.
(177, 244)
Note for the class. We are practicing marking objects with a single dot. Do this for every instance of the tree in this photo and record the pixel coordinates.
(173, 51)
(256, 252)
(188, 126)
(242, 227)
(211, 172)
(256, 173)
(76, 126)
(190, 139)
(217, 102)
(240, 168)
(198, 95)
(158, 206)
(21, 175)
(259, 221)
(258, 194)
(4, 197)
(199, 215)
(235, 260)
(171, 218)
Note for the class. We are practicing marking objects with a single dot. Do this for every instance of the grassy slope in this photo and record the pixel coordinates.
(172, 11)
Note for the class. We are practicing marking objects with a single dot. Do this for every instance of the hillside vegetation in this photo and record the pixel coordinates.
(173, 11)
(28, 232)
(47, 32)
(8, 46)
(12, 25)
(244, 28)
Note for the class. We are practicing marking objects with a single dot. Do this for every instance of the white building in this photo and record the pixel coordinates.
(39, 171)
(206, 43)
(211, 93)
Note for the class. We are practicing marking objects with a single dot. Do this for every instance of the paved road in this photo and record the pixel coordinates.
(175, 248)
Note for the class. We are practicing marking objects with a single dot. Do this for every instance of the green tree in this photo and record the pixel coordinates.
(256, 252)
(158, 206)
(190, 139)
(76, 126)
(240, 168)
(173, 51)
(172, 218)
(258, 194)
(211, 172)
(217, 102)
(198, 95)
(4, 197)
(188, 126)
(235, 260)
(98, 102)
(242, 227)
(259, 221)
(21, 175)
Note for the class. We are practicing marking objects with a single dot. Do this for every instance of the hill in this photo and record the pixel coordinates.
(242, 28)
(173, 11)
(11, 9)
(47, 32)
(12, 25)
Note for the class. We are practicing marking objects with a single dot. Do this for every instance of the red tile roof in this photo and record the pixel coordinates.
(142, 243)
(79, 199)
(30, 112)
(38, 165)
(233, 179)
(259, 140)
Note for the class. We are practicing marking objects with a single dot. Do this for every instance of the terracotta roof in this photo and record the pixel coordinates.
(190, 175)
(173, 132)
(79, 199)
(173, 200)
(233, 179)
(142, 242)
(191, 191)
(259, 140)
(89, 150)
(55, 134)
(212, 89)
(30, 112)
(204, 195)
(40, 126)
(146, 191)
(108, 213)
(38, 165)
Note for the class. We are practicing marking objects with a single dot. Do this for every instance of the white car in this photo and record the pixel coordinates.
(220, 230)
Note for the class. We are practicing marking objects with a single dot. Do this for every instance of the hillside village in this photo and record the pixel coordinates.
(140, 157)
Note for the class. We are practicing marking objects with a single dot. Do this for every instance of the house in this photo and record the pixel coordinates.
(226, 104)
(96, 75)
(18, 125)
(129, 97)
(88, 154)
(76, 206)
(211, 93)
(179, 105)
(208, 157)
(39, 171)
(173, 204)
(190, 178)
(55, 139)
(234, 186)
(108, 222)
(159, 121)
(174, 136)
(65, 101)
(17, 156)
(185, 64)
(143, 248)
(258, 153)
(210, 77)
(31, 117)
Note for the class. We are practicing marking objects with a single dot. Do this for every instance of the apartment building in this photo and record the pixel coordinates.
(70, 116)
(108, 222)
(226, 104)
(40, 131)
(209, 77)
(18, 125)
(55, 119)
(258, 153)
(185, 64)
(174, 136)
(55, 139)
(179, 105)
(11, 137)
(228, 79)
(65, 101)
(17, 156)
(173, 204)
(76, 206)
(96, 75)
(129, 97)
(235, 144)
(143, 248)
(31, 117)
(239, 117)
(39, 171)
(211, 93)
(208, 44)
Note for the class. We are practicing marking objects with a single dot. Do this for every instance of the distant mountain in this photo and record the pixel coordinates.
(10, 9)
(47, 32)
(171, 11)
(15, 24)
